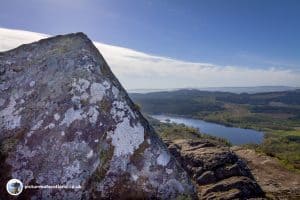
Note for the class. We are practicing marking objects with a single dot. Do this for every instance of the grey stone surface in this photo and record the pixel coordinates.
(65, 119)
(218, 172)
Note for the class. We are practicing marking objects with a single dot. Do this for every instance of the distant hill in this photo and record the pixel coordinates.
(275, 113)
(250, 90)
(238, 90)
(224, 107)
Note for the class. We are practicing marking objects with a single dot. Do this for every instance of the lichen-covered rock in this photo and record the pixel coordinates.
(218, 172)
(66, 120)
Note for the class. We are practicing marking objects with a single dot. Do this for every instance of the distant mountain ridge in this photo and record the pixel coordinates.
(277, 110)
(237, 90)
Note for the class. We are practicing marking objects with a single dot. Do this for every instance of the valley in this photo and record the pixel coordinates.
(186, 143)
(277, 114)
(236, 136)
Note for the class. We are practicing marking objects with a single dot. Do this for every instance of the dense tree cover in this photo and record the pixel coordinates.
(276, 113)
(279, 110)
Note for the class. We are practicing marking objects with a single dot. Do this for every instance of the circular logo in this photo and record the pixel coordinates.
(14, 187)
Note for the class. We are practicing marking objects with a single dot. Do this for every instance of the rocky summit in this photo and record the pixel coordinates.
(218, 172)
(66, 120)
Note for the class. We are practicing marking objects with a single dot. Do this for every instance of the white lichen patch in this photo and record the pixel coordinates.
(56, 116)
(163, 159)
(169, 171)
(93, 114)
(97, 92)
(37, 125)
(9, 116)
(79, 91)
(62, 133)
(32, 83)
(134, 177)
(29, 134)
(115, 92)
(71, 115)
(90, 154)
(89, 67)
(119, 109)
(106, 84)
(125, 138)
(81, 86)
(72, 172)
(50, 126)
(79, 133)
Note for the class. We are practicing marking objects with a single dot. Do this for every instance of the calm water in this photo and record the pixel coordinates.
(236, 136)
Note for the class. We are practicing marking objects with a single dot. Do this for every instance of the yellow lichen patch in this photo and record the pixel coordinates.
(184, 197)
(8, 144)
(105, 157)
(105, 105)
(137, 159)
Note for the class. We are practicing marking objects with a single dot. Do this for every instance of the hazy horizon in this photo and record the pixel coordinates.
(237, 90)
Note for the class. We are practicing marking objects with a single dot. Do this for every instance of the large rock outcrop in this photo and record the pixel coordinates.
(65, 119)
(218, 172)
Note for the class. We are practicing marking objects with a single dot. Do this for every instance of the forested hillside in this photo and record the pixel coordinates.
(275, 113)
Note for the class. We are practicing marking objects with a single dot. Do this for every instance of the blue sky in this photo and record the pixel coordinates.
(252, 33)
(211, 43)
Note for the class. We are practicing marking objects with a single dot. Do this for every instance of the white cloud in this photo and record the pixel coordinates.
(140, 70)
(10, 39)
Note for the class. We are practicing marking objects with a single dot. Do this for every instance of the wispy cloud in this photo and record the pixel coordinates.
(140, 70)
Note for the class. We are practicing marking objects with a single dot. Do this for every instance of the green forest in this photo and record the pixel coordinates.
(277, 114)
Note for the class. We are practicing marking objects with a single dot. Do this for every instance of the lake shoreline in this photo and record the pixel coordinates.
(235, 135)
(211, 121)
